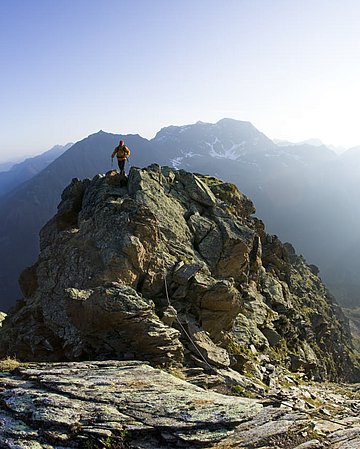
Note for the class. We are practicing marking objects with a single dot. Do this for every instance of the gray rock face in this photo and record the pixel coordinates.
(173, 269)
(118, 405)
(78, 404)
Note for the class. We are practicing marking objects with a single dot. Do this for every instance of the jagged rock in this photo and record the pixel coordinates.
(200, 227)
(184, 273)
(237, 245)
(213, 354)
(116, 179)
(211, 246)
(231, 196)
(272, 336)
(196, 189)
(113, 320)
(219, 306)
(124, 270)
(106, 322)
(168, 315)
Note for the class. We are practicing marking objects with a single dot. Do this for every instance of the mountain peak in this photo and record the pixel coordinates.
(231, 121)
(189, 256)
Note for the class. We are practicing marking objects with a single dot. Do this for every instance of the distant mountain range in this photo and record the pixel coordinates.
(306, 194)
(6, 165)
(20, 172)
(313, 142)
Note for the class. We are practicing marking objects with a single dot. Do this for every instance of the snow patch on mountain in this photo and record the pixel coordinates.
(220, 152)
(176, 162)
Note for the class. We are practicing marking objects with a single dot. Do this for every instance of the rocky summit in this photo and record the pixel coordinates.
(170, 267)
(169, 270)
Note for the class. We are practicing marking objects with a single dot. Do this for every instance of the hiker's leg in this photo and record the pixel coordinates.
(121, 167)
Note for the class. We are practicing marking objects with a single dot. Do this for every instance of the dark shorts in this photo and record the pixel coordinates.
(121, 164)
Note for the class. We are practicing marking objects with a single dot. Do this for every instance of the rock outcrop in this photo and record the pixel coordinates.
(119, 405)
(173, 269)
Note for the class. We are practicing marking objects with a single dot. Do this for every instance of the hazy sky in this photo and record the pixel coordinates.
(72, 67)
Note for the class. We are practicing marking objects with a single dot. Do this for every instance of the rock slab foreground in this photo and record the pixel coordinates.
(117, 404)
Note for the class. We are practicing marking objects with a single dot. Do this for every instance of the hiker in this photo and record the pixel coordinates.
(122, 153)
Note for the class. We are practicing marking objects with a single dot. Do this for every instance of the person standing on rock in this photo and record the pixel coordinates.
(122, 152)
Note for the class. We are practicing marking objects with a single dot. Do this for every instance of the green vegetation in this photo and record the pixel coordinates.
(210, 180)
(176, 372)
(280, 352)
(9, 364)
(244, 392)
(233, 347)
(107, 442)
